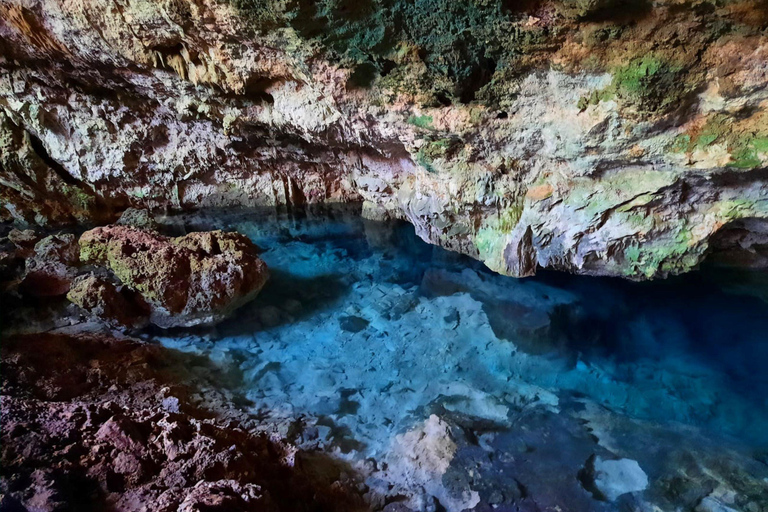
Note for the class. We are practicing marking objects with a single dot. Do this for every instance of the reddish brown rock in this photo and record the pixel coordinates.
(191, 280)
(109, 426)
(226, 496)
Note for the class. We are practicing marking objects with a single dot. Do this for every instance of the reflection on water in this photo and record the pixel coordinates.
(368, 329)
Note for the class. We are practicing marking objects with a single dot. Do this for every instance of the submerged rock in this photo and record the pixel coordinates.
(420, 458)
(196, 279)
(609, 479)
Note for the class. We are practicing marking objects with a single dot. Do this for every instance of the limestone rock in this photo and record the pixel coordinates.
(137, 218)
(93, 405)
(100, 298)
(51, 269)
(610, 479)
(226, 496)
(604, 137)
(199, 278)
(24, 240)
(421, 456)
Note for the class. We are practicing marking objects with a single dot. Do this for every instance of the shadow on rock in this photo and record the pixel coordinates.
(93, 422)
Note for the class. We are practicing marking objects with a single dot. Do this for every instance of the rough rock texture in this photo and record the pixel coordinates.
(199, 278)
(138, 219)
(422, 456)
(109, 428)
(51, 269)
(618, 137)
(609, 479)
(24, 241)
(103, 300)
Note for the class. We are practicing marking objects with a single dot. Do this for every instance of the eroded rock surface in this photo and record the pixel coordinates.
(617, 138)
(199, 278)
(52, 267)
(108, 427)
(100, 298)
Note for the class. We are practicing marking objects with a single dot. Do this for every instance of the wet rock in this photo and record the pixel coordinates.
(51, 269)
(101, 299)
(713, 504)
(616, 176)
(137, 218)
(353, 324)
(420, 458)
(609, 479)
(196, 279)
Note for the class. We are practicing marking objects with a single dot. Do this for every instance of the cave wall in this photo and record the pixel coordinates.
(609, 137)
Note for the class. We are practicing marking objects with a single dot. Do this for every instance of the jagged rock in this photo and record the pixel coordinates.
(24, 240)
(138, 219)
(51, 269)
(602, 137)
(84, 428)
(101, 299)
(420, 457)
(226, 496)
(199, 278)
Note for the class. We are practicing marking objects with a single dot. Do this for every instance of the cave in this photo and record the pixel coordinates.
(384, 256)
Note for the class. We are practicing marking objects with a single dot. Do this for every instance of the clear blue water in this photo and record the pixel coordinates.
(367, 330)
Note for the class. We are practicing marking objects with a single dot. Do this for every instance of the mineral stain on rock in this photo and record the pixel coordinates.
(156, 157)
(621, 138)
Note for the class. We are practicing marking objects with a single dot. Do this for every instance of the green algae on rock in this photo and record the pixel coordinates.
(196, 279)
(438, 112)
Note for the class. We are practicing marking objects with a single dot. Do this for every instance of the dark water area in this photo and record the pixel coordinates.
(369, 330)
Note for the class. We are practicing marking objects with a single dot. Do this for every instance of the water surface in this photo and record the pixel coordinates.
(367, 330)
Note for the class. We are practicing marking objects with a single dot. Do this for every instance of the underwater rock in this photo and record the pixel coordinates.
(613, 478)
(50, 270)
(196, 279)
(101, 299)
(420, 458)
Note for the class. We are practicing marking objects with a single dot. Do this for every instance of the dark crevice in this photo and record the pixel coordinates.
(55, 166)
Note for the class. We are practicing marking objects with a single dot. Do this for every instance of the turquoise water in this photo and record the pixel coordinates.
(364, 331)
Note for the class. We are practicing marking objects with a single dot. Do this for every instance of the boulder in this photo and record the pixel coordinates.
(196, 279)
(52, 267)
(100, 298)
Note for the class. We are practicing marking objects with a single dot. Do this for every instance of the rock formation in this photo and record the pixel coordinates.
(199, 278)
(51, 268)
(615, 137)
(109, 428)
(101, 299)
